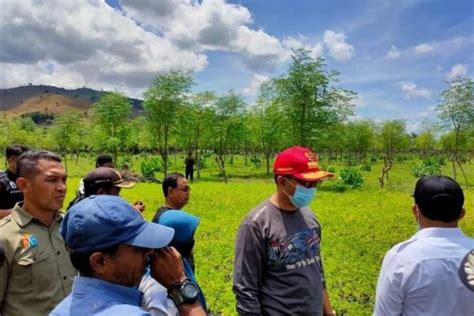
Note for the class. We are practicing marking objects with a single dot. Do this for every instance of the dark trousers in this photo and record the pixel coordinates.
(190, 174)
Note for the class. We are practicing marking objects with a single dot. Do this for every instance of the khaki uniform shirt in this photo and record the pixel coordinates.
(36, 272)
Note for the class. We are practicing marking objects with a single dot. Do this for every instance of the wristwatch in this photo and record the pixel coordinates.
(185, 292)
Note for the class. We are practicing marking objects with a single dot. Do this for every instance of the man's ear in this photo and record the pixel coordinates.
(415, 211)
(463, 212)
(23, 184)
(98, 262)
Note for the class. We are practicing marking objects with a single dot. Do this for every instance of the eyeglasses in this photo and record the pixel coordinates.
(306, 184)
(185, 189)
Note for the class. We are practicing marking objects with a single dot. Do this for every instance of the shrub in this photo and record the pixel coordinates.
(428, 167)
(331, 169)
(365, 167)
(338, 187)
(149, 167)
(352, 177)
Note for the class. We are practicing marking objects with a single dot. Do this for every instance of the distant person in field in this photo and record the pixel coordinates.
(278, 268)
(106, 181)
(190, 162)
(10, 194)
(420, 276)
(101, 161)
(35, 273)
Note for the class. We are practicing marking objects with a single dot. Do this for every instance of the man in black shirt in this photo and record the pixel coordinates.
(9, 192)
(189, 162)
(177, 191)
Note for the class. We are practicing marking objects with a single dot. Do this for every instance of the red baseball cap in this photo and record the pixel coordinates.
(301, 163)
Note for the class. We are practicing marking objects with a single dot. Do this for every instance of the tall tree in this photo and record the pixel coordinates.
(166, 95)
(66, 134)
(393, 138)
(229, 110)
(456, 111)
(269, 123)
(311, 104)
(111, 113)
(360, 136)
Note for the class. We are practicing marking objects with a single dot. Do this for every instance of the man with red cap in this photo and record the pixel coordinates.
(278, 268)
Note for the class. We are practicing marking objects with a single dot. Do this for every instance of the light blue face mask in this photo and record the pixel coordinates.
(302, 196)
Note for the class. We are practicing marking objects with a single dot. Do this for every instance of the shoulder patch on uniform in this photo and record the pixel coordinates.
(466, 270)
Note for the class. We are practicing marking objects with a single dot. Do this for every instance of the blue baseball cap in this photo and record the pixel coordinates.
(102, 221)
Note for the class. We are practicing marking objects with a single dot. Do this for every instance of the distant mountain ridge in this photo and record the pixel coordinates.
(50, 99)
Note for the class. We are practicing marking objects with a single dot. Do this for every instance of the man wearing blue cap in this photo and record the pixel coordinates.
(420, 276)
(110, 245)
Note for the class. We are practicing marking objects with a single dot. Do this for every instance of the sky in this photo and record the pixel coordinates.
(396, 55)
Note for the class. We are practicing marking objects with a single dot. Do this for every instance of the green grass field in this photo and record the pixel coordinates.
(359, 226)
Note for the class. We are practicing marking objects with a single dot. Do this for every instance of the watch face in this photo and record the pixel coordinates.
(190, 290)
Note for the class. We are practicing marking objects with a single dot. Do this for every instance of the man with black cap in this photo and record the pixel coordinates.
(110, 245)
(105, 180)
(278, 268)
(101, 161)
(420, 276)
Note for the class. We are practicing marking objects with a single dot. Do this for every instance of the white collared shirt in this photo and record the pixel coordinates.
(420, 276)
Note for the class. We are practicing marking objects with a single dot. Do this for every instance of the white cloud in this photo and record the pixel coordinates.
(414, 126)
(84, 42)
(457, 70)
(339, 49)
(360, 101)
(411, 91)
(394, 52)
(208, 26)
(423, 49)
(254, 87)
(290, 43)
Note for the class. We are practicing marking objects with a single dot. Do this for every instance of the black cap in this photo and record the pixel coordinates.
(439, 197)
(106, 176)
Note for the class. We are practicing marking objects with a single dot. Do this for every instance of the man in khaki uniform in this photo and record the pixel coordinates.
(36, 272)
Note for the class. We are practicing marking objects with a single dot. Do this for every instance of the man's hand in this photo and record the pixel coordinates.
(139, 206)
(167, 267)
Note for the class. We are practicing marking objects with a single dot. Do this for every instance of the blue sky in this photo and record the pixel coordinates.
(394, 54)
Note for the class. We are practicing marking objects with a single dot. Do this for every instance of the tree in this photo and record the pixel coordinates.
(456, 111)
(268, 123)
(359, 139)
(425, 142)
(193, 119)
(166, 95)
(310, 103)
(393, 138)
(111, 113)
(66, 134)
(228, 109)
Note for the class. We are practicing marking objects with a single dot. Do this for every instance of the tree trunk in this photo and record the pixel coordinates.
(221, 164)
(267, 159)
(463, 173)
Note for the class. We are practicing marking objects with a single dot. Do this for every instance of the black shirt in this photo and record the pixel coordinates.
(10, 194)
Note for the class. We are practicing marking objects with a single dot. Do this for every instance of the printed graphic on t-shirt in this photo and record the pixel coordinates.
(294, 251)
